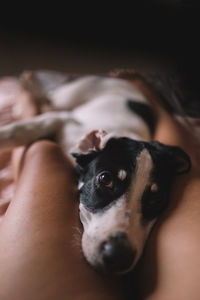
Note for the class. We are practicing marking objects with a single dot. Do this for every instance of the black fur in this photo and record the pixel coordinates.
(144, 111)
(122, 153)
(168, 162)
(118, 154)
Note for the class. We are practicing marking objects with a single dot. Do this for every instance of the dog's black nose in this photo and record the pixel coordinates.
(117, 253)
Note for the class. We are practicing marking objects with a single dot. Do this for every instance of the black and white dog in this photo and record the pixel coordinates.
(124, 176)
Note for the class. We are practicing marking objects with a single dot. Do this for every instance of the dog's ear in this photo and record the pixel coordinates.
(174, 156)
(93, 141)
(84, 159)
(88, 147)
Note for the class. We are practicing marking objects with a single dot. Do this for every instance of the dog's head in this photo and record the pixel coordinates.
(124, 187)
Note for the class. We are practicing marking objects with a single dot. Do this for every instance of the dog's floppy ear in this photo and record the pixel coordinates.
(88, 147)
(177, 159)
(91, 142)
(84, 159)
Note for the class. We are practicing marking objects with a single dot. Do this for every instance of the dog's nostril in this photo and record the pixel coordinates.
(117, 254)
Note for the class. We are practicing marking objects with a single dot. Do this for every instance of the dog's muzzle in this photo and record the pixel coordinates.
(117, 254)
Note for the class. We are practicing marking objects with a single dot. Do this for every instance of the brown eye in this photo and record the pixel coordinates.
(106, 179)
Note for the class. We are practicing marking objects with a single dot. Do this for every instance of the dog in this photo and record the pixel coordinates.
(105, 126)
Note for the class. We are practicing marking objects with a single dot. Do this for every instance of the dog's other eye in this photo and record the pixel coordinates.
(106, 179)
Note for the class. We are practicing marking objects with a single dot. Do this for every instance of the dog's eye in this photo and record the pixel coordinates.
(106, 179)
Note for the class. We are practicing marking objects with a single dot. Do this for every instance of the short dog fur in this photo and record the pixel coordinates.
(107, 125)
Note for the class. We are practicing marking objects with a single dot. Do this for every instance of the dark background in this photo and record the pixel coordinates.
(153, 35)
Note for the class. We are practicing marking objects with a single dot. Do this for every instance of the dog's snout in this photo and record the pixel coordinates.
(117, 253)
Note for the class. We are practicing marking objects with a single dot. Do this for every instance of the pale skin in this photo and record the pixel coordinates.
(38, 259)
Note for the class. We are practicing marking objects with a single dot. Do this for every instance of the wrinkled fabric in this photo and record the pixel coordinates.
(8, 91)
(9, 112)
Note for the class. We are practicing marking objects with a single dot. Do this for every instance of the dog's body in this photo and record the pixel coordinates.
(84, 102)
(124, 177)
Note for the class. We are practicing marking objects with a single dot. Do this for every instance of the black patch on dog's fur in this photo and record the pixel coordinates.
(118, 154)
(122, 153)
(168, 162)
(144, 111)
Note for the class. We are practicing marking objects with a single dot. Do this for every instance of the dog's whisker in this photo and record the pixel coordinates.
(77, 230)
(76, 239)
(76, 244)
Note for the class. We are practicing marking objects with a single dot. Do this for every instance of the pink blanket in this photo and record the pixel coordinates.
(8, 91)
(9, 88)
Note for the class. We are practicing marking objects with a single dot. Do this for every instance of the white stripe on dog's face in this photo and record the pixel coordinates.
(124, 215)
(137, 233)
(99, 226)
(80, 185)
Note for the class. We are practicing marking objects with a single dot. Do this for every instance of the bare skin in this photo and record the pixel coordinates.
(38, 260)
(170, 267)
(40, 251)
(40, 254)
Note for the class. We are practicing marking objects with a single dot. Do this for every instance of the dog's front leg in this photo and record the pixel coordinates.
(28, 131)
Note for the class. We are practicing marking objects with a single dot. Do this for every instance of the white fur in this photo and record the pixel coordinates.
(154, 187)
(122, 175)
(94, 103)
(80, 185)
(123, 215)
(99, 226)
